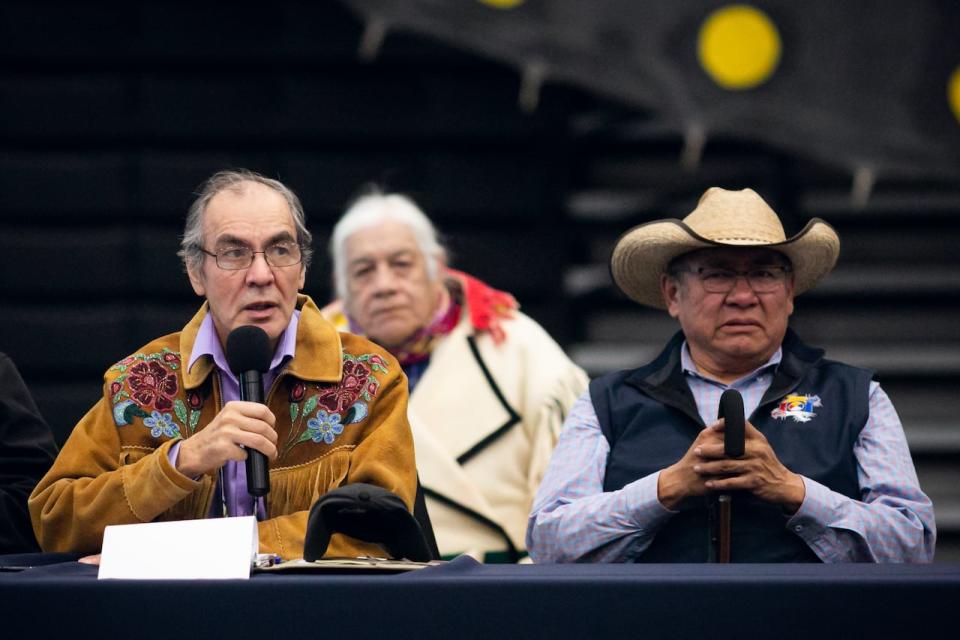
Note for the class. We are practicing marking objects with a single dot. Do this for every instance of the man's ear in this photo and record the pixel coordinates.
(441, 264)
(670, 290)
(196, 281)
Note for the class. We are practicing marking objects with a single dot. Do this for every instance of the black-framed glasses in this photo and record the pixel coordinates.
(280, 254)
(766, 279)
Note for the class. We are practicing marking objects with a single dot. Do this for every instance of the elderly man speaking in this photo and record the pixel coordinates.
(168, 438)
(826, 474)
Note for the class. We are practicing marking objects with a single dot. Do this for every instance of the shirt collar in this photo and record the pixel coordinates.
(207, 343)
(690, 368)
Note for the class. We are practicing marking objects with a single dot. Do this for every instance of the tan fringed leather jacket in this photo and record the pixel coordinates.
(341, 409)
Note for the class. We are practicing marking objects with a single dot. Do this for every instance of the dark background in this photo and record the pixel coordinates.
(111, 115)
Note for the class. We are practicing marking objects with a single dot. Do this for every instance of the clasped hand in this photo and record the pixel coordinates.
(704, 468)
(239, 424)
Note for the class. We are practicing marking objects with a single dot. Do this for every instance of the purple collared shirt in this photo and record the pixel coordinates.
(233, 491)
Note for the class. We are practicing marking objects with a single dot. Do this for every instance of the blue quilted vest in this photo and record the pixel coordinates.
(650, 418)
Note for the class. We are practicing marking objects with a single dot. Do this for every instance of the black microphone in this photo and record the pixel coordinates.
(731, 410)
(249, 355)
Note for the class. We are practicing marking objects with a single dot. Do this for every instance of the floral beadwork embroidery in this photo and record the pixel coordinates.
(150, 383)
(147, 388)
(161, 424)
(356, 381)
(325, 426)
(297, 392)
(336, 406)
(194, 399)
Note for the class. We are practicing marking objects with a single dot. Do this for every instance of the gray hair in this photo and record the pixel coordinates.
(191, 244)
(371, 210)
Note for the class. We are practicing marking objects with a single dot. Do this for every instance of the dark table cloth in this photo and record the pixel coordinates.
(463, 599)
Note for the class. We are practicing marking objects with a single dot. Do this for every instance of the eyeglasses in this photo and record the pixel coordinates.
(281, 254)
(760, 279)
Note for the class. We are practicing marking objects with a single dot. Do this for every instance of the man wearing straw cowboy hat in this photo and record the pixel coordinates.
(826, 474)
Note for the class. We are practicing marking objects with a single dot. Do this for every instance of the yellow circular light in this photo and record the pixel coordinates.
(739, 47)
(503, 4)
(953, 93)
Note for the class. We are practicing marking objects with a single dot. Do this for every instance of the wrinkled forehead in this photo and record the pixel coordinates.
(733, 257)
(247, 205)
(383, 240)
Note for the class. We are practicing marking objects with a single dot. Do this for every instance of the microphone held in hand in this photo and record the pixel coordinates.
(249, 356)
(731, 410)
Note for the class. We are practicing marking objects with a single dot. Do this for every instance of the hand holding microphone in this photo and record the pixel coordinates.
(243, 430)
(746, 461)
(249, 355)
(731, 412)
(727, 456)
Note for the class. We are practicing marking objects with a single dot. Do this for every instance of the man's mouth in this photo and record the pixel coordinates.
(259, 307)
(733, 324)
(384, 311)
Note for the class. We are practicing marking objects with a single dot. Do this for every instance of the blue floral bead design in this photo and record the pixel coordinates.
(325, 426)
(162, 424)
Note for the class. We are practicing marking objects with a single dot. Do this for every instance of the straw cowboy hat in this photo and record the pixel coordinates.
(722, 219)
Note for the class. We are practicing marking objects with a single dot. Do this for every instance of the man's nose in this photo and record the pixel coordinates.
(384, 280)
(741, 292)
(259, 272)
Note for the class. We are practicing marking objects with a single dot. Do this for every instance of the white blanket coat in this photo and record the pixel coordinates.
(485, 418)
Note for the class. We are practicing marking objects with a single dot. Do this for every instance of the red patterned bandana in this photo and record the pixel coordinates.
(487, 306)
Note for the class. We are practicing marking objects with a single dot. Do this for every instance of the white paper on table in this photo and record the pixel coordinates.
(217, 548)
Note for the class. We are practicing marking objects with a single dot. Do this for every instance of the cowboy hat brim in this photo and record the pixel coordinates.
(641, 255)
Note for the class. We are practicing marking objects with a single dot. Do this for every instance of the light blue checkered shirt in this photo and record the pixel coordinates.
(574, 520)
